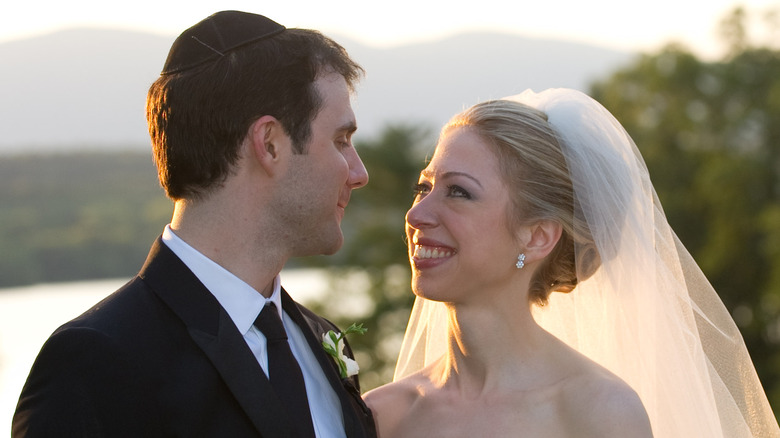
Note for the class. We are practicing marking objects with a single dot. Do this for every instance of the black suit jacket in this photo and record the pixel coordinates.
(161, 357)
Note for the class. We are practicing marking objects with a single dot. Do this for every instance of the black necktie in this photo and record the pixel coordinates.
(283, 370)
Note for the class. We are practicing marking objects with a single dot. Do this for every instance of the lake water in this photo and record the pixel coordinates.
(28, 315)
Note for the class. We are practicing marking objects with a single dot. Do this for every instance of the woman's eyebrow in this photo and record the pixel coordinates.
(446, 175)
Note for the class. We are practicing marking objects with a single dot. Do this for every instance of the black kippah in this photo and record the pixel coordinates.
(215, 36)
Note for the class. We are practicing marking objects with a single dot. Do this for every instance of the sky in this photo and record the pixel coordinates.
(620, 24)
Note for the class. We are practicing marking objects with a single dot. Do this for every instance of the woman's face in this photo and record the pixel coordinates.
(459, 241)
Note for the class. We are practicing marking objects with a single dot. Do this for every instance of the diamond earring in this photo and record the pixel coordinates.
(520, 261)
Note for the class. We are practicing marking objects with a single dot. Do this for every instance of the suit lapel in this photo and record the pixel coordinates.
(243, 375)
(313, 328)
(214, 332)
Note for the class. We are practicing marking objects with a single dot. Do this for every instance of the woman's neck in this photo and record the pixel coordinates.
(491, 348)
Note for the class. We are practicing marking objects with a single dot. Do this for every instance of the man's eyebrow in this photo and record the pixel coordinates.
(428, 174)
(348, 127)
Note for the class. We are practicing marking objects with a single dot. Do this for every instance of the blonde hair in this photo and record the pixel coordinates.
(534, 168)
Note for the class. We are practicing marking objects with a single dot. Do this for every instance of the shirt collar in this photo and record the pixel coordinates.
(240, 300)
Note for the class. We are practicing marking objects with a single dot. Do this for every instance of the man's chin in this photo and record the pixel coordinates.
(325, 247)
(335, 247)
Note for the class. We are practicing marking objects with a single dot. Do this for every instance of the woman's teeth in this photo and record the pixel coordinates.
(423, 252)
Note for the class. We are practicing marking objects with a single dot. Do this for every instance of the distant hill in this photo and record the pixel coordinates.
(77, 88)
(85, 88)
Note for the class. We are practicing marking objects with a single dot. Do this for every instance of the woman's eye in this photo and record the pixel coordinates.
(453, 191)
(458, 192)
(420, 190)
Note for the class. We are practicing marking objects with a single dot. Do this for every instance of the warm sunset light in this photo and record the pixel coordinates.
(571, 212)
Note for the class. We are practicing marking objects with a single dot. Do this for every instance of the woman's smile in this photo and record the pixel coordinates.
(424, 257)
(427, 253)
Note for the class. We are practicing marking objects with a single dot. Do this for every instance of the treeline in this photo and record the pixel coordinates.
(710, 134)
(77, 216)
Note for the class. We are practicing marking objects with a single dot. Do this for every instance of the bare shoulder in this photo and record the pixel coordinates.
(390, 395)
(391, 403)
(600, 404)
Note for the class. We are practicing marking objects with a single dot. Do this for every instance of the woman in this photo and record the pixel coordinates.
(545, 193)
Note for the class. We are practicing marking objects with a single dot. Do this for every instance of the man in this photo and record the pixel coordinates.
(251, 126)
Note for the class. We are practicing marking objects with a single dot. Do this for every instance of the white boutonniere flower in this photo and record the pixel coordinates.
(333, 343)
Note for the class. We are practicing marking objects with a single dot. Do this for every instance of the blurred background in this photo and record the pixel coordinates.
(697, 86)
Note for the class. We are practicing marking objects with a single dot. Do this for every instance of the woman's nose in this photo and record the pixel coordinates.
(420, 214)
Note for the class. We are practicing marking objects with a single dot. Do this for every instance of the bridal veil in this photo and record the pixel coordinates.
(648, 313)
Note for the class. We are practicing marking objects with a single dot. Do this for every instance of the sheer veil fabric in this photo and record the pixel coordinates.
(648, 314)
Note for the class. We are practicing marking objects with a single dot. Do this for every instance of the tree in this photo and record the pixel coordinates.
(709, 134)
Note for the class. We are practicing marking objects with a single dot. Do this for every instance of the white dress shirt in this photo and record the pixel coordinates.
(243, 303)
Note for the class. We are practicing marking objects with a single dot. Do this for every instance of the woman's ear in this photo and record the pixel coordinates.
(266, 142)
(539, 239)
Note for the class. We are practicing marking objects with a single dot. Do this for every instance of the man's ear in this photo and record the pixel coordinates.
(539, 239)
(266, 142)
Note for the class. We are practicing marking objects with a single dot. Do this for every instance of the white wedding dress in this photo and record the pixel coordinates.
(648, 314)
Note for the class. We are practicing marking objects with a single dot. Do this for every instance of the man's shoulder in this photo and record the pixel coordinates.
(127, 301)
(132, 318)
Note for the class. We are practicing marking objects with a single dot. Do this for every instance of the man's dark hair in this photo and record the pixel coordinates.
(199, 117)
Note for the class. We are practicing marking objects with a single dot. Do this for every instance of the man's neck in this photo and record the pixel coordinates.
(242, 246)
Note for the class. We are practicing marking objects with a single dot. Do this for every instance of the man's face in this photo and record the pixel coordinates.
(321, 180)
